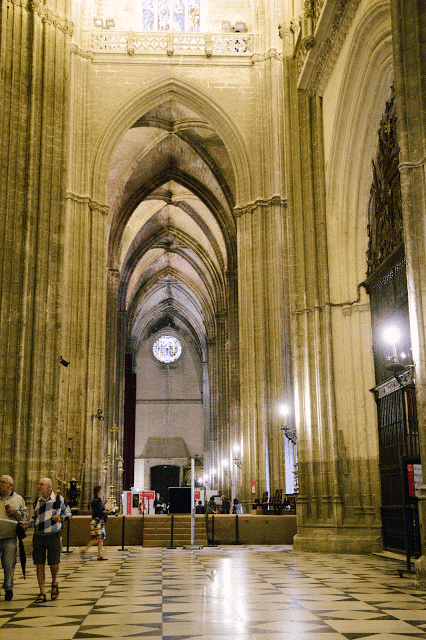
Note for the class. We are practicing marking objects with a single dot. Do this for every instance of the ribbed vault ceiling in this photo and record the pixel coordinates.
(171, 192)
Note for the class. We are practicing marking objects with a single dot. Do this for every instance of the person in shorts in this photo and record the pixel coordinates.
(97, 524)
(50, 510)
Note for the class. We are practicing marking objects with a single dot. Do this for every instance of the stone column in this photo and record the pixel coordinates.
(260, 259)
(409, 47)
(82, 402)
(260, 237)
(334, 467)
(232, 351)
(34, 59)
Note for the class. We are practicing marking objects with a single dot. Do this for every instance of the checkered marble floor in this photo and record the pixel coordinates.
(219, 593)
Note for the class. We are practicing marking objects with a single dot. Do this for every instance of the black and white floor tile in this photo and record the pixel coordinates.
(219, 593)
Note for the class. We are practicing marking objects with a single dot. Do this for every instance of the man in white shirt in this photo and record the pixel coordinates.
(12, 511)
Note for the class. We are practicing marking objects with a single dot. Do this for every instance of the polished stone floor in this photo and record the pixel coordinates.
(219, 593)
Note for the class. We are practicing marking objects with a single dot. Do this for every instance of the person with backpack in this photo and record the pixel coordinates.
(50, 510)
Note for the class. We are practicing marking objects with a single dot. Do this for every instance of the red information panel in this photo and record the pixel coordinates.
(414, 479)
(138, 502)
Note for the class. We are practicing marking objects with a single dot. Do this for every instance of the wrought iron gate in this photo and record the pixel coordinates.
(398, 448)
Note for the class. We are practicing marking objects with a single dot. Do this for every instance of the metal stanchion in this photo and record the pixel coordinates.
(143, 524)
(192, 545)
(213, 543)
(122, 533)
(171, 534)
(68, 537)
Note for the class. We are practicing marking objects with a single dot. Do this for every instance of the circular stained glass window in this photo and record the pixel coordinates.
(167, 349)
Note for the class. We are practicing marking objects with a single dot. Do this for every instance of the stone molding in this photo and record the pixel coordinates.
(48, 16)
(272, 54)
(349, 309)
(407, 166)
(171, 43)
(100, 208)
(88, 55)
(316, 54)
(76, 197)
(275, 201)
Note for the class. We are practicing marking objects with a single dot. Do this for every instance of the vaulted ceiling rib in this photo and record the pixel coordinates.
(172, 233)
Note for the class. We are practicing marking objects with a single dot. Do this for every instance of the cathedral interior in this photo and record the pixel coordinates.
(213, 249)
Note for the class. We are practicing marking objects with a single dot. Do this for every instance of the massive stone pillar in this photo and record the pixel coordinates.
(82, 396)
(35, 42)
(409, 46)
(260, 259)
(337, 505)
(261, 255)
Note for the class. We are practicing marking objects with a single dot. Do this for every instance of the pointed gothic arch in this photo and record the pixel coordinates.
(189, 96)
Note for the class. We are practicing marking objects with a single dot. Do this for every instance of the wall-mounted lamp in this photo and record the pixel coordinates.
(392, 336)
(98, 415)
(283, 410)
(63, 362)
(236, 459)
(289, 433)
(225, 467)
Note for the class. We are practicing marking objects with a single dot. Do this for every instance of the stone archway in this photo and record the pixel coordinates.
(172, 243)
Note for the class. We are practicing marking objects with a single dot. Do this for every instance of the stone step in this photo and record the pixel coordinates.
(157, 531)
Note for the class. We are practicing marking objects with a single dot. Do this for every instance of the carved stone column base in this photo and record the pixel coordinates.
(420, 567)
(338, 540)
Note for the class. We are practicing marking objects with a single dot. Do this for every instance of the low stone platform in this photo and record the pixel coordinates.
(249, 530)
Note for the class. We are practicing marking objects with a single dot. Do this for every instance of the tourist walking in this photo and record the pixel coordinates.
(97, 524)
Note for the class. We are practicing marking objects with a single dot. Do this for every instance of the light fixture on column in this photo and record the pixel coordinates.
(236, 459)
(63, 362)
(98, 415)
(225, 467)
(291, 435)
(392, 336)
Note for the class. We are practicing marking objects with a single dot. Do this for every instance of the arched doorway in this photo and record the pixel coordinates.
(163, 477)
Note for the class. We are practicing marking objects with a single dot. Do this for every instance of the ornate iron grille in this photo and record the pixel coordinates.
(395, 393)
(398, 441)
